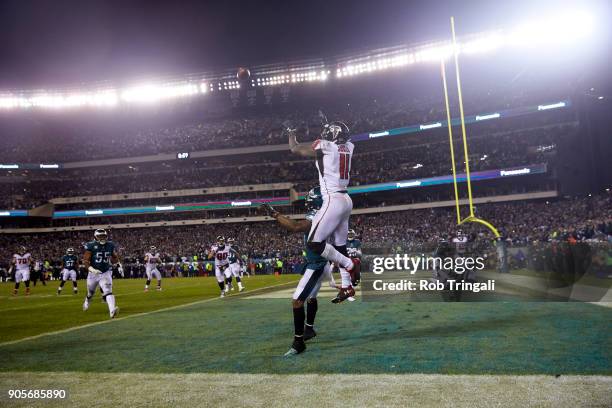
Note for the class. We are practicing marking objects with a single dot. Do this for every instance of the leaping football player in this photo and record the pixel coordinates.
(69, 265)
(220, 252)
(99, 257)
(316, 270)
(234, 263)
(333, 153)
(151, 259)
(21, 263)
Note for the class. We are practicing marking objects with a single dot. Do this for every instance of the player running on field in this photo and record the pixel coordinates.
(220, 251)
(152, 259)
(99, 257)
(317, 269)
(234, 264)
(69, 267)
(21, 264)
(333, 153)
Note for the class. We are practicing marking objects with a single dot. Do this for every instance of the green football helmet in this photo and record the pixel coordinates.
(351, 235)
(314, 199)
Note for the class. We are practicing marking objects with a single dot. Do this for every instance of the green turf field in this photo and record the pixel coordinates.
(194, 336)
(43, 311)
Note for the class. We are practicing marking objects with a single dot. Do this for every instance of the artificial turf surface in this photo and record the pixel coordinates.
(44, 311)
(240, 334)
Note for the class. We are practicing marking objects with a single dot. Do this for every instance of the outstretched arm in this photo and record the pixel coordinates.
(286, 222)
(303, 149)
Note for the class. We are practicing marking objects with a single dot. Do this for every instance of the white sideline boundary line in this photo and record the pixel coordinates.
(70, 329)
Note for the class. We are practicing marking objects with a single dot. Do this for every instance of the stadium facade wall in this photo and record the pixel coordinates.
(231, 220)
(172, 156)
(172, 193)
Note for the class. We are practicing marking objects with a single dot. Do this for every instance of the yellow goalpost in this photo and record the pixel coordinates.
(471, 217)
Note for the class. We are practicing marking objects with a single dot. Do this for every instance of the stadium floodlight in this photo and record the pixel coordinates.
(154, 93)
(434, 54)
(561, 29)
(58, 100)
(481, 45)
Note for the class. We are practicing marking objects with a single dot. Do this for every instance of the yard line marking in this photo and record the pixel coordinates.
(53, 333)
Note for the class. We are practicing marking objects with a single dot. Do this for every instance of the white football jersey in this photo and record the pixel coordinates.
(334, 166)
(460, 243)
(221, 255)
(152, 259)
(22, 262)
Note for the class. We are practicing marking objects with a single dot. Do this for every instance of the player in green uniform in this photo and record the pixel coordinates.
(69, 267)
(316, 270)
(234, 264)
(100, 255)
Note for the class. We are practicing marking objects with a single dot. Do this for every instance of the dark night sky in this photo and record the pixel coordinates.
(60, 42)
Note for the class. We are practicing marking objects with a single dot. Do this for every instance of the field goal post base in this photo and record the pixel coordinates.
(487, 224)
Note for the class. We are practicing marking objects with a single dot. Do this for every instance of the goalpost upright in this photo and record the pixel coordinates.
(471, 217)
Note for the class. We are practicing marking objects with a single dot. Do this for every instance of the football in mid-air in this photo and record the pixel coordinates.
(243, 73)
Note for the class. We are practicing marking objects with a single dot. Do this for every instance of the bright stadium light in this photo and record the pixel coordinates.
(57, 100)
(561, 29)
(154, 93)
(485, 44)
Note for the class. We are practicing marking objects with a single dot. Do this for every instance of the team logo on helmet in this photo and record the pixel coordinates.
(337, 132)
(101, 236)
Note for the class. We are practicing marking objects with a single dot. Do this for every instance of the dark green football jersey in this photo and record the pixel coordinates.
(233, 255)
(70, 262)
(353, 248)
(101, 254)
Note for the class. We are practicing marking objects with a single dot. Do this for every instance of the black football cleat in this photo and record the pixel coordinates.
(344, 294)
(297, 347)
(309, 333)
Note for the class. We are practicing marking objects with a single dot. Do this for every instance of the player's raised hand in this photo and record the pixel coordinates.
(289, 127)
(267, 209)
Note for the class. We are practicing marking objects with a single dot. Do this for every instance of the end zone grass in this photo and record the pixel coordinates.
(229, 352)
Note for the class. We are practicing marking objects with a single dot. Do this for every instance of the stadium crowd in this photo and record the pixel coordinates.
(225, 130)
(383, 164)
(577, 219)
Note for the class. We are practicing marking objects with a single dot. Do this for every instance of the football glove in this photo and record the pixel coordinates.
(268, 210)
(289, 127)
(94, 270)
